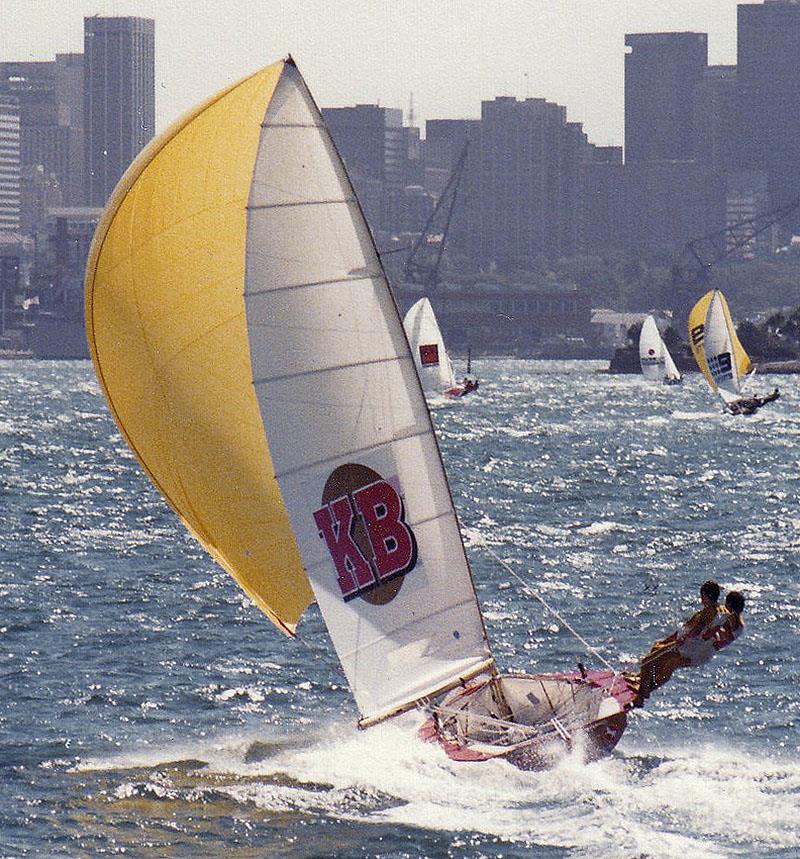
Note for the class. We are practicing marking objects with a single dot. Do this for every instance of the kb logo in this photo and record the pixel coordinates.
(362, 522)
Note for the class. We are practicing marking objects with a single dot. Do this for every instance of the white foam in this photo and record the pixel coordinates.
(701, 802)
(604, 528)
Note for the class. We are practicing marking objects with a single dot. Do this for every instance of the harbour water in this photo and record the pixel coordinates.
(148, 709)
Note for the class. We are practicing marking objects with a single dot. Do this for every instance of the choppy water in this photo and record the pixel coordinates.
(147, 708)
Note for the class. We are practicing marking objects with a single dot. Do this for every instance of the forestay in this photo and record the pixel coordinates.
(427, 346)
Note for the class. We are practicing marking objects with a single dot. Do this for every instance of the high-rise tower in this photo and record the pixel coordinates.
(119, 98)
(661, 72)
(9, 165)
(768, 79)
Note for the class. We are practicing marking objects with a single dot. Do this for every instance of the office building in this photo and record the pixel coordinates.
(119, 98)
(768, 80)
(50, 98)
(9, 165)
(715, 122)
(522, 186)
(656, 205)
(382, 158)
(69, 104)
(661, 73)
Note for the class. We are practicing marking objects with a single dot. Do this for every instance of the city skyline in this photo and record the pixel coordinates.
(450, 57)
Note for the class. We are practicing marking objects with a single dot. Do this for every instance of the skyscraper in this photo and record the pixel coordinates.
(69, 101)
(523, 193)
(374, 145)
(716, 118)
(9, 165)
(119, 98)
(768, 77)
(661, 72)
(42, 141)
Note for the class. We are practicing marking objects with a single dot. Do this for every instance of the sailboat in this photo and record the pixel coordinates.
(719, 354)
(656, 362)
(244, 335)
(430, 355)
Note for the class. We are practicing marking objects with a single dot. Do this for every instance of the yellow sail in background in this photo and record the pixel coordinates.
(165, 319)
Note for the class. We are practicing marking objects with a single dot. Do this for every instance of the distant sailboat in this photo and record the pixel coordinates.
(719, 354)
(657, 364)
(245, 337)
(433, 364)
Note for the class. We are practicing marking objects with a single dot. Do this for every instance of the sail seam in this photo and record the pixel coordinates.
(292, 286)
(306, 373)
(290, 125)
(255, 208)
(344, 455)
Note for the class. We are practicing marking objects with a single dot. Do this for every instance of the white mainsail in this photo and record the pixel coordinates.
(719, 350)
(427, 346)
(651, 351)
(350, 435)
(654, 357)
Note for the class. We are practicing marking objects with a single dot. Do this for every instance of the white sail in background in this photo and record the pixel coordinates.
(671, 372)
(349, 432)
(657, 364)
(651, 351)
(427, 346)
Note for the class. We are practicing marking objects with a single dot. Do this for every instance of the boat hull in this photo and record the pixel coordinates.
(551, 715)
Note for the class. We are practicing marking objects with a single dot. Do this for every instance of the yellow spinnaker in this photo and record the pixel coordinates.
(165, 319)
(697, 323)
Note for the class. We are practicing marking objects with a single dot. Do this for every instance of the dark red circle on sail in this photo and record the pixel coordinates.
(345, 480)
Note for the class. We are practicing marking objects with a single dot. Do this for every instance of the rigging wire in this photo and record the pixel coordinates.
(528, 590)
(323, 655)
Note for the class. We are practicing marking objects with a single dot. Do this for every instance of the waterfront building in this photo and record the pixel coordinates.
(661, 73)
(62, 248)
(11, 331)
(522, 316)
(119, 98)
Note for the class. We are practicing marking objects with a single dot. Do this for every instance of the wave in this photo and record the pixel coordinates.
(638, 803)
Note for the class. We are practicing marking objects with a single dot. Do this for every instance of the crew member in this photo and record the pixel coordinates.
(678, 650)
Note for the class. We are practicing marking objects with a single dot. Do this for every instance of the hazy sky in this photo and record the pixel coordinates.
(450, 54)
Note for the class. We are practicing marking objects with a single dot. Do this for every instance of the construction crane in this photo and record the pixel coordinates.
(422, 265)
(691, 274)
